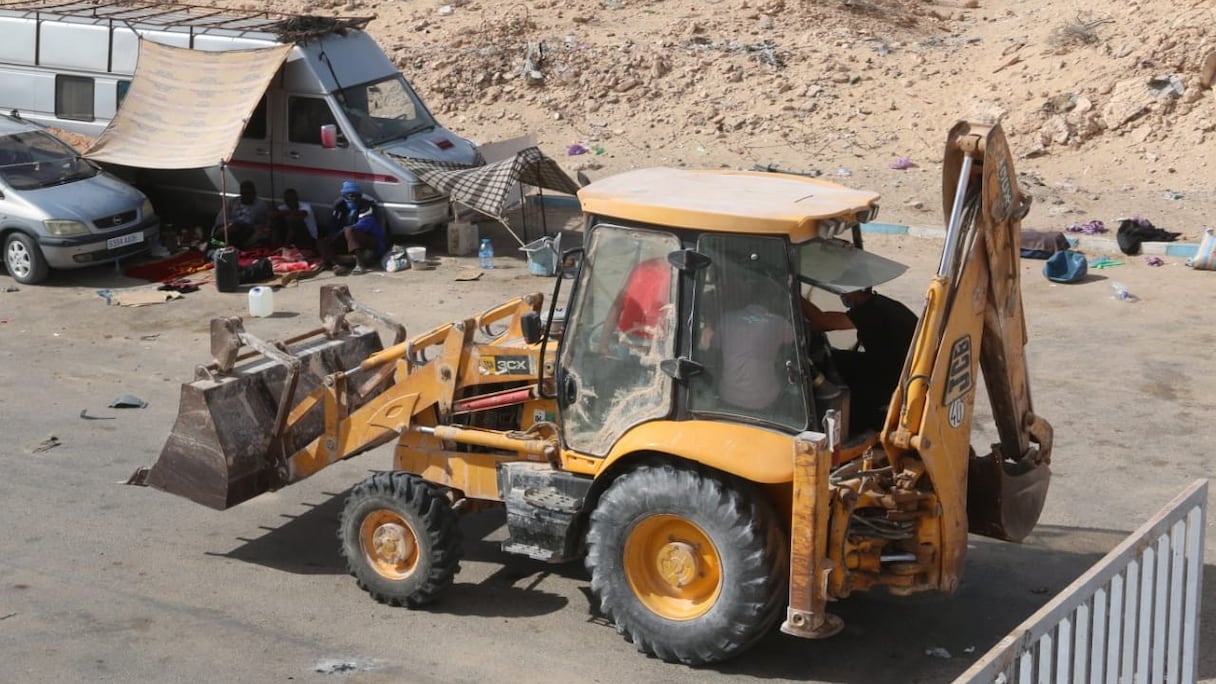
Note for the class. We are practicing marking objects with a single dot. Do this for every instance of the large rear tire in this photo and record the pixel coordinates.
(689, 566)
(400, 538)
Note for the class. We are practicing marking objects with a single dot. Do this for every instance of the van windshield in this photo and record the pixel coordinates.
(384, 110)
(34, 159)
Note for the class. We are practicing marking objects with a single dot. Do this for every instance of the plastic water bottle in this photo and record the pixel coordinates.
(485, 253)
(1121, 291)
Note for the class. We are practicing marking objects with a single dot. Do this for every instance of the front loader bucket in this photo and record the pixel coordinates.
(222, 449)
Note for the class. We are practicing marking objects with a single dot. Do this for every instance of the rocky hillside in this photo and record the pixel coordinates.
(1109, 104)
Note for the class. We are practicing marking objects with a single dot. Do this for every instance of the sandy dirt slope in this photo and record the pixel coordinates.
(1108, 102)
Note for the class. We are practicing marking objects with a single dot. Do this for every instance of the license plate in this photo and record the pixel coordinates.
(124, 240)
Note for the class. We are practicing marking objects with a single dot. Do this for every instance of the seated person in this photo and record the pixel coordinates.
(349, 206)
(247, 223)
(364, 238)
(885, 329)
(293, 222)
(750, 341)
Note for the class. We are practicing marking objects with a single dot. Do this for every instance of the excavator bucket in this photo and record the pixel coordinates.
(232, 437)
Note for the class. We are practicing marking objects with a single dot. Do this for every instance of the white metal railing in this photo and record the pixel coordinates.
(1131, 618)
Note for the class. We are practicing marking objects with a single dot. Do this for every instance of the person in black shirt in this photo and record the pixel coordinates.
(885, 329)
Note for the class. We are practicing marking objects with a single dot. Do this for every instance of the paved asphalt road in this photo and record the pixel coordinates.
(104, 582)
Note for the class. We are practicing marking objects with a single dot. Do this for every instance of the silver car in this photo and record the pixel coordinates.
(59, 210)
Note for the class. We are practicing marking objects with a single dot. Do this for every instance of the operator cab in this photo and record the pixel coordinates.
(686, 307)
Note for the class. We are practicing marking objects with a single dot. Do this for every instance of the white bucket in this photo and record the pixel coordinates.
(261, 301)
(462, 238)
(417, 255)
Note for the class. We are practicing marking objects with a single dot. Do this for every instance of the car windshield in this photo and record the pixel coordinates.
(384, 110)
(34, 159)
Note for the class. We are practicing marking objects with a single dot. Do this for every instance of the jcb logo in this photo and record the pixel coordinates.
(505, 365)
(958, 380)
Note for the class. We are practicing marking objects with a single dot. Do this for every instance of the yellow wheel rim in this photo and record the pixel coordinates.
(673, 567)
(389, 544)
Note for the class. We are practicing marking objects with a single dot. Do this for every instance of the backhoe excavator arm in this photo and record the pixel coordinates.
(973, 321)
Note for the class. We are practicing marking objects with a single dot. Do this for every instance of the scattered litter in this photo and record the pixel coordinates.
(5, 617)
(128, 401)
(969, 650)
(334, 667)
(1094, 227)
(84, 413)
(1121, 292)
(1171, 195)
(445, 10)
(6, 320)
(577, 149)
(471, 275)
(842, 171)
(902, 163)
(937, 652)
(138, 296)
(12, 288)
(1104, 262)
(1154, 260)
(47, 444)
(331, 666)
(149, 338)
(1065, 266)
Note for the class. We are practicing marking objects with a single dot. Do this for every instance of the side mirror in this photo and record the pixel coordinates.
(329, 136)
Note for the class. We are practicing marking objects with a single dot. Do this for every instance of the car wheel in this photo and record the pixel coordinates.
(690, 565)
(24, 259)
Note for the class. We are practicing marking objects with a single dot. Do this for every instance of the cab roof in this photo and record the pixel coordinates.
(725, 200)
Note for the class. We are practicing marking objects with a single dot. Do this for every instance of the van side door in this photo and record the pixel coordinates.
(303, 163)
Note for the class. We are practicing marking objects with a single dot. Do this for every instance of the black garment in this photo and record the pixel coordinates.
(885, 329)
(1134, 231)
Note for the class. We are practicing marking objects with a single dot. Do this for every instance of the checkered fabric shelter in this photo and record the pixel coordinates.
(485, 188)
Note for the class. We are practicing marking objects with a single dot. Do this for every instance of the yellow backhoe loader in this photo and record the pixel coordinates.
(609, 430)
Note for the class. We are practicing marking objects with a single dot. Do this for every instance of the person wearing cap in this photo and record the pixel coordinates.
(247, 221)
(354, 229)
(885, 328)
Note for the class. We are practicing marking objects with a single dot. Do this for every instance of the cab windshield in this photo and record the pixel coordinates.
(385, 110)
(34, 159)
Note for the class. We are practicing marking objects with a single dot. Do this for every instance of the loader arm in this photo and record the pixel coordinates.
(973, 322)
(295, 407)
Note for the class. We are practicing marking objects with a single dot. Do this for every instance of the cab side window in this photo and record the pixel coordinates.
(305, 117)
(256, 127)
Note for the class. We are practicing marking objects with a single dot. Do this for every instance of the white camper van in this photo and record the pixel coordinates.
(332, 112)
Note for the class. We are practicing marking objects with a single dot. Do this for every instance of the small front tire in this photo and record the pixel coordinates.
(23, 259)
(401, 539)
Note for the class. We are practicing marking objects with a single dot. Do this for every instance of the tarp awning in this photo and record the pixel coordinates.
(485, 188)
(185, 108)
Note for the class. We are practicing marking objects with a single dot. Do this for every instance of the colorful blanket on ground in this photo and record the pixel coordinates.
(177, 267)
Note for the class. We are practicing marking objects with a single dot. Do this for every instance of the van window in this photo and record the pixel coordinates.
(121, 92)
(256, 127)
(74, 98)
(305, 117)
(384, 110)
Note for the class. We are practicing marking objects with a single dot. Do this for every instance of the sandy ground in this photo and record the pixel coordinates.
(131, 585)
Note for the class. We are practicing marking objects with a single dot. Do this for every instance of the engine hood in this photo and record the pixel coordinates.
(437, 143)
(82, 200)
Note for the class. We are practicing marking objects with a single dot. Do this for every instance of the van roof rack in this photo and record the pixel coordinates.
(286, 27)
